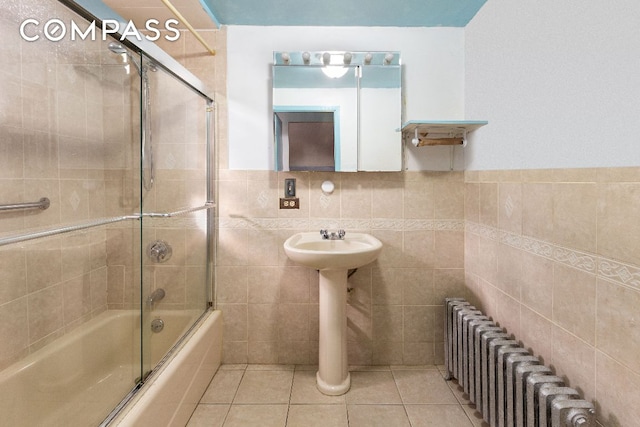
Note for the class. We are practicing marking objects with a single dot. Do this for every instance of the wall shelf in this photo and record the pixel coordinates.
(437, 132)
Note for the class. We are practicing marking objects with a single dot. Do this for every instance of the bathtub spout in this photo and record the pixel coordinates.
(155, 296)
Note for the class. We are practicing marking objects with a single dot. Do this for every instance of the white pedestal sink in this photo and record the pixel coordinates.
(333, 258)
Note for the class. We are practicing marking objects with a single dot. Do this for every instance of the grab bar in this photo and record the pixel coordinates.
(207, 205)
(99, 222)
(42, 204)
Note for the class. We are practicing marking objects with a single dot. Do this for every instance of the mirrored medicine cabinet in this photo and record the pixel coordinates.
(337, 111)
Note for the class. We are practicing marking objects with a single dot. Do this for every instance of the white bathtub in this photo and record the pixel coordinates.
(77, 380)
(171, 395)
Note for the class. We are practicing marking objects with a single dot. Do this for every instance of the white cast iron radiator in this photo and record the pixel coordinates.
(508, 385)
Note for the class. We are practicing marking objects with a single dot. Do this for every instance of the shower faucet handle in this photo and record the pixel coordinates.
(159, 251)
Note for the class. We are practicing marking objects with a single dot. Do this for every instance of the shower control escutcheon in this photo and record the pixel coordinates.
(159, 251)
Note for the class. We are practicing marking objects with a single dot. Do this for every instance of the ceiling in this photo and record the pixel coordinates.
(356, 13)
(207, 14)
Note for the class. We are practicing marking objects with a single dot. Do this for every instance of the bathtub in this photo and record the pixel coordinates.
(77, 380)
(171, 394)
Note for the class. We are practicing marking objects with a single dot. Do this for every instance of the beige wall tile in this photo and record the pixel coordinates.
(535, 331)
(489, 204)
(355, 198)
(510, 207)
(617, 391)
(537, 215)
(449, 200)
(507, 313)
(232, 284)
(48, 314)
(537, 284)
(615, 332)
(618, 203)
(233, 246)
(264, 284)
(417, 285)
(387, 200)
(472, 202)
(420, 250)
(15, 331)
(509, 273)
(574, 215)
(449, 249)
(574, 360)
(419, 200)
(574, 301)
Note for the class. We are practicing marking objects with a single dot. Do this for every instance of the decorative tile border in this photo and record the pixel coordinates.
(624, 274)
(392, 224)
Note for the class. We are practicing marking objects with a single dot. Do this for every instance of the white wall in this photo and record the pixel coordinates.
(558, 81)
(433, 67)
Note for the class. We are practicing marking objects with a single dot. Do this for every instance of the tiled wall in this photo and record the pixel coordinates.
(554, 256)
(395, 308)
(69, 130)
(55, 103)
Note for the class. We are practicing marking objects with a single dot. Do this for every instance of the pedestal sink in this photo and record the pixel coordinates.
(333, 257)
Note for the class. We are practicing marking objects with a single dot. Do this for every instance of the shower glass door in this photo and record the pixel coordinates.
(174, 187)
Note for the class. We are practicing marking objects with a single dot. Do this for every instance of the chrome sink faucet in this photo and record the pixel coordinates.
(332, 235)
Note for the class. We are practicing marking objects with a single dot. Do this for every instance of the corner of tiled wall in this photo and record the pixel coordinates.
(553, 256)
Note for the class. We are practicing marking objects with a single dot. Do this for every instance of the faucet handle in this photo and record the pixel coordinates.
(324, 233)
(341, 233)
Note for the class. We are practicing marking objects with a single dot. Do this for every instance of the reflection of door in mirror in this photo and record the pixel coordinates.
(305, 140)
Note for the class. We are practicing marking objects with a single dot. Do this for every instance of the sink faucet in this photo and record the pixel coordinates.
(326, 235)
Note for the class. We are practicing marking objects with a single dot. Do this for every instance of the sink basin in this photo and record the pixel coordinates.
(353, 251)
(333, 258)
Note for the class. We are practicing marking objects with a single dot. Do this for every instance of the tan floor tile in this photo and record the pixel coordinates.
(474, 416)
(223, 387)
(257, 415)
(305, 390)
(208, 416)
(265, 387)
(372, 387)
(377, 416)
(317, 416)
(458, 392)
(437, 416)
(426, 386)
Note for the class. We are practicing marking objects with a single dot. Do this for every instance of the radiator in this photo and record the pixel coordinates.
(508, 385)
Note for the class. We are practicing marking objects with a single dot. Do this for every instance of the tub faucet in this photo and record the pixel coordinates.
(326, 235)
(155, 296)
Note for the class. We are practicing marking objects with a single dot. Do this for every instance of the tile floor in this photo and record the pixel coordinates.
(286, 395)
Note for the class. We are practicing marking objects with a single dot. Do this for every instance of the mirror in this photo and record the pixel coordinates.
(337, 111)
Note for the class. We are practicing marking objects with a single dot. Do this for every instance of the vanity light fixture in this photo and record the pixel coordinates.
(334, 71)
(333, 65)
(367, 59)
(286, 58)
(306, 58)
(347, 58)
(388, 58)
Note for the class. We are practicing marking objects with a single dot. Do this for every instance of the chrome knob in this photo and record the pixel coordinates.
(159, 251)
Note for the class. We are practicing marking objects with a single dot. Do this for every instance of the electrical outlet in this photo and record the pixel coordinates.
(289, 203)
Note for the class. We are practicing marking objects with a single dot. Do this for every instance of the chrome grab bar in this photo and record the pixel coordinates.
(42, 204)
(98, 222)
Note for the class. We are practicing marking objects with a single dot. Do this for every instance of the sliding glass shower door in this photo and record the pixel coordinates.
(175, 209)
